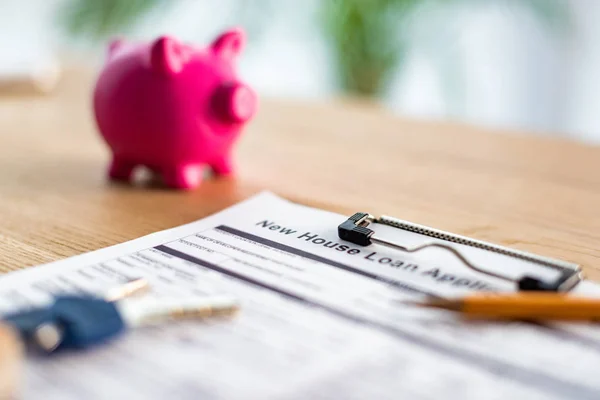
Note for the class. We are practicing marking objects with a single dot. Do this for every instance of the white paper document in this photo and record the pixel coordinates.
(320, 319)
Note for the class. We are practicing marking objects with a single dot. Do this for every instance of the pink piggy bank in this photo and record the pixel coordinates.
(172, 107)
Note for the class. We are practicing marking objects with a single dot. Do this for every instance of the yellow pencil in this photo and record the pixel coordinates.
(530, 306)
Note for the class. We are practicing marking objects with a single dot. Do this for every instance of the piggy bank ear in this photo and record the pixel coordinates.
(166, 56)
(229, 44)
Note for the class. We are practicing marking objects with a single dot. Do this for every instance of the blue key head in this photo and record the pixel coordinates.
(27, 322)
(86, 320)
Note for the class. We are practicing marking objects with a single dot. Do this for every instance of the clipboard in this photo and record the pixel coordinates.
(357, 229)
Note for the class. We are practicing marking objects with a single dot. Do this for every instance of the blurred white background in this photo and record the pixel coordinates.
(482, 62)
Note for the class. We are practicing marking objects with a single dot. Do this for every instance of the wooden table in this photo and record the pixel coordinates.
(528, 192)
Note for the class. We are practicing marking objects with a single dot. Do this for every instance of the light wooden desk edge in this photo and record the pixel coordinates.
(528, 192)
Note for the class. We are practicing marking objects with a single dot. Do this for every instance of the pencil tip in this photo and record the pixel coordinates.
(415, 303)
(433, 303)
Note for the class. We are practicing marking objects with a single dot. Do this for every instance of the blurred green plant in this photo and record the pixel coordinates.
(101, 18)
(367, 41)
(369, 38)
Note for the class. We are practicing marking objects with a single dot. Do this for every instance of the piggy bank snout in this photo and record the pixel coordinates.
(235, 102)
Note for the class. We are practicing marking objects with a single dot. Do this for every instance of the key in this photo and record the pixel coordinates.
(39, 326)
(143, 311)
(82, 321)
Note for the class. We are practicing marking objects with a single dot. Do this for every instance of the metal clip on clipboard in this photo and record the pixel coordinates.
(355, 229)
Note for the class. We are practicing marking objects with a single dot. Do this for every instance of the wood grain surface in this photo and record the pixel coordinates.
(525, 191)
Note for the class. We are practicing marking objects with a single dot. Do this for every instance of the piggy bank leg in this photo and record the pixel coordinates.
(183, 176)
(223, 166)
(120, 169)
